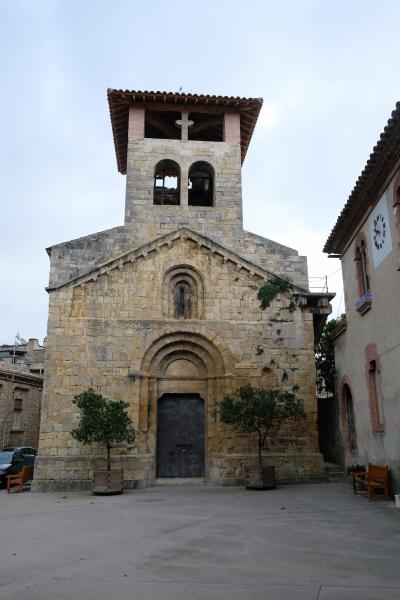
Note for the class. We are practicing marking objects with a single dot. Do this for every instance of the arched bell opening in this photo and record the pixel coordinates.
(166, 188)
(201, 184)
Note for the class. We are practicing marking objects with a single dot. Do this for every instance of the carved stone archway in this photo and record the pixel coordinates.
(179, 363)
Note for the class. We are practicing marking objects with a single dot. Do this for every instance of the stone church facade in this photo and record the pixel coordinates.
(163, 313)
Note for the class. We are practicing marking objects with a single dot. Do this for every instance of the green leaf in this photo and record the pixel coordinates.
(253, 409)
(102, 421)
(270, 290)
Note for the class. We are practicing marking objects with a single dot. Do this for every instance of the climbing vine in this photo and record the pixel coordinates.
(270, 290)
(325, 357)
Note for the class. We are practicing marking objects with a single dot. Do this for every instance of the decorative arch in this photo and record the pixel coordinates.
(181, 362)
(167, 347)
(183, 293)
(166, 186)
(201, 184)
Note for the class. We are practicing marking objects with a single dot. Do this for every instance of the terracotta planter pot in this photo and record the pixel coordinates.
(254, 480)
(107, 483)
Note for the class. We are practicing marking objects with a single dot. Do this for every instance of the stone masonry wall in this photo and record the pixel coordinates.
(101, 331)
(113, 324)
(31, 395)
(223, 221)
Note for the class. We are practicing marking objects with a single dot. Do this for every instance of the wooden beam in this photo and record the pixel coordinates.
(161, 126)
(199, 108)
(204, 124)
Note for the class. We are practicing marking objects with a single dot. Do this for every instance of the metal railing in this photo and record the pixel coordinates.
(318, 284)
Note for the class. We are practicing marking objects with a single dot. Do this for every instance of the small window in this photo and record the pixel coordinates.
(396, 201)
(166, 183)
(397, 197)
(201, 185)
(374, 382)
(351, 426)
(362, 268)
(17, 414)
(183, 295)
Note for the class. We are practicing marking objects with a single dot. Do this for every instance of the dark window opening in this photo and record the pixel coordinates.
(396, 204)
(16, 424)
(351, 426)
(162, 125)
(181, 305)
(375, 394)
(183, 300)
(166, 183)
(206, 127)
(362, 268)
(201, 185)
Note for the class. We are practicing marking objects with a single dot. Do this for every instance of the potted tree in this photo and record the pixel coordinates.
(257, 410)
(357, 474)
(105, 422)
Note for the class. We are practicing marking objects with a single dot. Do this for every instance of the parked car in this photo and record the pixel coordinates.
(27, 452)
(11, 462)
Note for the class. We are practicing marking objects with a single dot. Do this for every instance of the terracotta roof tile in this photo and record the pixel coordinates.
(120, 100)
(9, 370)
(381, 162)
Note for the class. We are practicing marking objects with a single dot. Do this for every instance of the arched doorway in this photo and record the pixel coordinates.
(180, 436)
(183, 375)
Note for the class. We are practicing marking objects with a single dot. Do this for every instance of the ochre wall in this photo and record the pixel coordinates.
(110, 331)
(378, 328)
(31, 395)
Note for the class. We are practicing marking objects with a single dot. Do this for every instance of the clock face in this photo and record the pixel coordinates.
(379, 231)
(379, 227)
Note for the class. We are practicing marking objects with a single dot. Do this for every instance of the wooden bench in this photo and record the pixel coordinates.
(376, 478)
(16, 482)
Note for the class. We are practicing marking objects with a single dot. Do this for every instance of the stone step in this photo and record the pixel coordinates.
(335, 473)
(337, 478)
(181, 481)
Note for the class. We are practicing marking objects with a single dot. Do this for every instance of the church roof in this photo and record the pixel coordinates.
(120, 100)
(20, 373)
(165, 241)
(382, 160)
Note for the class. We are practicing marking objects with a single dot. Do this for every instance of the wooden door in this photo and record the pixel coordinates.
(180, 436)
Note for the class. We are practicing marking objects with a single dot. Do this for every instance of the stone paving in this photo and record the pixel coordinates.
(300, 542)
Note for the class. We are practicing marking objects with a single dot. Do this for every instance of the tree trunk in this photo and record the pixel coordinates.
(108, 458)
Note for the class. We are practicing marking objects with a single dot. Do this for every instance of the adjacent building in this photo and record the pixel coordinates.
(163, 312)
(367, 346)
(29, 355)
(20, 402)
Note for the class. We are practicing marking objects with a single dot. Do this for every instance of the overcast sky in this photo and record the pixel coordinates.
(328, 72)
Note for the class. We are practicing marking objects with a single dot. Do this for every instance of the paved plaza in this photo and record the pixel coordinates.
(300, 542)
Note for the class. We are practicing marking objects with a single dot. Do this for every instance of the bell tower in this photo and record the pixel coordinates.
(182, 155)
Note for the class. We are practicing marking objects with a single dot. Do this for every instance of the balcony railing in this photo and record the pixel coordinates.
(318, 284)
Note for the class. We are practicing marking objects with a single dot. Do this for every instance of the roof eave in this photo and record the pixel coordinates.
(382, 161)
(179, 99)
